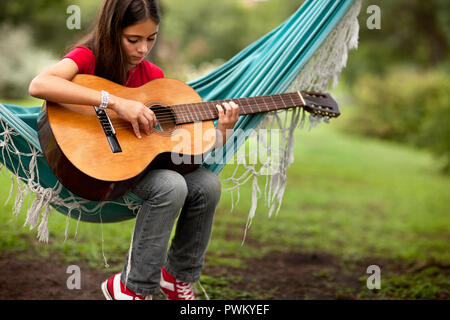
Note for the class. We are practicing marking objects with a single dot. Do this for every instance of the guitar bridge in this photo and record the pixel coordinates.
(108, 128)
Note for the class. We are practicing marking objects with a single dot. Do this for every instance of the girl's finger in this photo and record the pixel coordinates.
(146, 123)
(152, 117)
(135, 126)
(221, 112)
(235, 110)
(227, 109)
(155, 120)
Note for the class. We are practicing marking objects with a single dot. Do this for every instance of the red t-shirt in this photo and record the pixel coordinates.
(138, 76)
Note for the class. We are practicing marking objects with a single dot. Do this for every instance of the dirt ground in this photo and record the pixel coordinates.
(287, 275)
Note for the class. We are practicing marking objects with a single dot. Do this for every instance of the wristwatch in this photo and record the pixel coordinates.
(105, 99)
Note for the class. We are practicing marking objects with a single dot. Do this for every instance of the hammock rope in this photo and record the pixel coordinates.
(306, 52)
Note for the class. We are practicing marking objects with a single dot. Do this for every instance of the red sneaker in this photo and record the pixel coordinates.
(114, 289)
(175, 290)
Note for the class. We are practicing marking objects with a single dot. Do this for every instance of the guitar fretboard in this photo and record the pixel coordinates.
(201, 111)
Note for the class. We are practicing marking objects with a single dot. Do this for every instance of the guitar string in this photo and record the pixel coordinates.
(165, 119)
(275, 100)
(118, 123)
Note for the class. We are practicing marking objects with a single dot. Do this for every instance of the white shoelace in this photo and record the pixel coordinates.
(186, 291)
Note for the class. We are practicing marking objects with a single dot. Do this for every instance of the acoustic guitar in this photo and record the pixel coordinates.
(96, 155)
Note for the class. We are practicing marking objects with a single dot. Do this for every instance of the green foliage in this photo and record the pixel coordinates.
(405, 106)
(202, 31)
(20, 61)
(46, 20)
(435, 127)
(34, 35)
(413, 32)
(193, 35)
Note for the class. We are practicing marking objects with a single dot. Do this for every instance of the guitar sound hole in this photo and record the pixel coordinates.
(165, 117)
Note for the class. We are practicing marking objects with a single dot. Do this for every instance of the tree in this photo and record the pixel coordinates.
(46, 20)
(201, 31)
(413, 32)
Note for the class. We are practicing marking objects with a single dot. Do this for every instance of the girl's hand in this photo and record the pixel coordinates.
(228, 116)
(136, 113)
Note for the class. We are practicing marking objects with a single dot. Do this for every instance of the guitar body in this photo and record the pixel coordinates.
(77, 151)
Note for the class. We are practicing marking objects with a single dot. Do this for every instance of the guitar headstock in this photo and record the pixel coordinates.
(319, 103)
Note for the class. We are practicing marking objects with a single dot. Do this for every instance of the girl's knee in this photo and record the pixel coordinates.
(212, 187)
(173, 188)
(162, 185)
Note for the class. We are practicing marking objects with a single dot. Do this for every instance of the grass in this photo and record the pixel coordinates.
(346, 195)
(428, 284)
(27, 102)
(356, 196)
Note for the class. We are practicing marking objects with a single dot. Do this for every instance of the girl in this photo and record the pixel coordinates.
(122, 37)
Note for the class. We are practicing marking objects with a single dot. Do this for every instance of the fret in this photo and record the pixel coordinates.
(189, 113)
(284, 103)
(291, 98)
(296, 99)
(201, 111)
(269, 103)
(187, 116)
(264, 103)
(210, 110)
(204, 111)
(278, 101)
(197, 112)
(200, 114)
(179, 114)
(192, 112)
(248, 105)
(281, 101)
(255, 103)
(274, 103)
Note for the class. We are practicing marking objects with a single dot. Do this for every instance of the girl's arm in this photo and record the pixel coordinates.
(54, 84)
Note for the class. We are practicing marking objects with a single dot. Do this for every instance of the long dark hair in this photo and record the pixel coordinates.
(105, 37)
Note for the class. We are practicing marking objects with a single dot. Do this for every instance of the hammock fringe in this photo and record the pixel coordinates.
(321, 72)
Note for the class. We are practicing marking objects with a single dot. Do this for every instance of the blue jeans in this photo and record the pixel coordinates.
(168, 195)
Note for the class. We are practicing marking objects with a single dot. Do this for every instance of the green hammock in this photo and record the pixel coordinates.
(284, 59)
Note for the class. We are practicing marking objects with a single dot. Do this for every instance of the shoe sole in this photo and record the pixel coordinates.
(105, 291)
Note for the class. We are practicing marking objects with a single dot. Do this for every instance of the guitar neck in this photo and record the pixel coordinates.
(202, 111)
